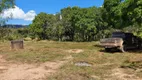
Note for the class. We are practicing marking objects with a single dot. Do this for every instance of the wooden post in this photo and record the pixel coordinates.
(17, 44)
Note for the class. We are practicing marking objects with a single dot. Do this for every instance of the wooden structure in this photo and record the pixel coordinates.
(17, 44)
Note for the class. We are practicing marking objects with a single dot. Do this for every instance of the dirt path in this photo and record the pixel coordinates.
(14, 71)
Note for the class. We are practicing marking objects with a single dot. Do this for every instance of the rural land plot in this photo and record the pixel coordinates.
(49, 60)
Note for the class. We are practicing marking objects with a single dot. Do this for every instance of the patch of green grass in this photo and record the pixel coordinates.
(72, 72)
(35, 57)
(41, 51)
(102, 65)
(33, 52)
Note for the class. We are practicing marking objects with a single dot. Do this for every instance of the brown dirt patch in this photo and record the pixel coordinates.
(15, 71)
(75, 51)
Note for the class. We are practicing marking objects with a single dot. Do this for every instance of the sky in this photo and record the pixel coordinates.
(26, 10)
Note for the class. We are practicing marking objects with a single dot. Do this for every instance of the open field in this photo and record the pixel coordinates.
(49, 60)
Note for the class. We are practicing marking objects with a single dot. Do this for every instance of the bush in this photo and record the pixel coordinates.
(13, 33)
(27, 39)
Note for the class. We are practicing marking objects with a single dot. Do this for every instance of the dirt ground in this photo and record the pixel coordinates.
(41, 71)
(19, 71)
(75, 51)
(120, 75)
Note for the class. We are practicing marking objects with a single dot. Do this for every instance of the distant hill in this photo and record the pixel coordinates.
(14, 26)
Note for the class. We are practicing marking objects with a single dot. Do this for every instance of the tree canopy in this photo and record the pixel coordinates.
(5, 4)
(123, 13)
(88, 24)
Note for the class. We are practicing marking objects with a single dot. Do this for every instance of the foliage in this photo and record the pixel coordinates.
(87, 24)
(5, 4)
(122, 13)
(75, 24)
(13, 33)
(42, 24)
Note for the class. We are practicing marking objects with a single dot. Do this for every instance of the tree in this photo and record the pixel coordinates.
(81, 24)
(132, 12)
(67, 23)
(58, 28)
(5, 4)
(122, 13)
(112, 13)
(41, 26)
(88, 24)
(84, 23)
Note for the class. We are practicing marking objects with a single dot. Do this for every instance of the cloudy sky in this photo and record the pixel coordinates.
(25, 10)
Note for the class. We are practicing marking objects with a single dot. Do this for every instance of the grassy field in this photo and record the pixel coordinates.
(104, 65)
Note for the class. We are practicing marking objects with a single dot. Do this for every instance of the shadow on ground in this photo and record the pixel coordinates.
(128, 51)
(115, 50)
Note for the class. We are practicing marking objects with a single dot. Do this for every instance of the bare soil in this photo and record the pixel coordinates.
(19, 71)
(75, 51)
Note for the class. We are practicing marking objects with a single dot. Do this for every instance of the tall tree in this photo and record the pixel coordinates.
(41, 26)
(67, 23)
(81, 24)
(110, 15)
